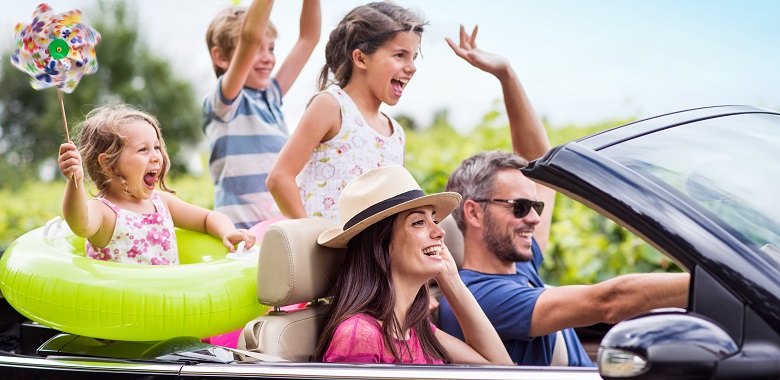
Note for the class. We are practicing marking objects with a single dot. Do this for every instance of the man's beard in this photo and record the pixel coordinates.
(501, 244)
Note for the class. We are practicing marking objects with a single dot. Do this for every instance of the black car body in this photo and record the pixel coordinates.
(698, 185)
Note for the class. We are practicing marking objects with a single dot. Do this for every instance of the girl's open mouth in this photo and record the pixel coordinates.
(150, 179)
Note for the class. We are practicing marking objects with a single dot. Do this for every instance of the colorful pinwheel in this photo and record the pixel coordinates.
(56, 50)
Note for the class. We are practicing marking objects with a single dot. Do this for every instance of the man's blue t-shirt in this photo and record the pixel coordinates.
(508, 302)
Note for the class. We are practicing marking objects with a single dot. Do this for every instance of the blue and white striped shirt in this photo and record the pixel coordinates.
(245, 136)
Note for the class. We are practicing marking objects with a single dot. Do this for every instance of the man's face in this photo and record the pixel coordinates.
(508, 237)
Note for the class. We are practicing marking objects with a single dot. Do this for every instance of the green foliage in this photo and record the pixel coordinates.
(26, 208)
(587, 248)
(31, 125)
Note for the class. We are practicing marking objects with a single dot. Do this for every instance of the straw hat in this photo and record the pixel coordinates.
(380, 193)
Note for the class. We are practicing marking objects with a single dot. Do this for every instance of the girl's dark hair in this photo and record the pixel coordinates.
(367, 28)
(365, 286)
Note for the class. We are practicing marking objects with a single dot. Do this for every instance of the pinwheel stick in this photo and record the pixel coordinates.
(67, 135)
(64, 119)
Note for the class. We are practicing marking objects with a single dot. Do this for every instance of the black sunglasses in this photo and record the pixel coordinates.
(522, 206)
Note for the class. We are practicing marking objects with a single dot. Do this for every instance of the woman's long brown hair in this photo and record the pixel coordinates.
(365, 286)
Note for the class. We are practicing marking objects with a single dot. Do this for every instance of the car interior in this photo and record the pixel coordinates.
(292, 270)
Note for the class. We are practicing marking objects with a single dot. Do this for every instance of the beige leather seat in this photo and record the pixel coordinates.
(292, 269)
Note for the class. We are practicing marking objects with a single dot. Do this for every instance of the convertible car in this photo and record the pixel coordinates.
(697, 185)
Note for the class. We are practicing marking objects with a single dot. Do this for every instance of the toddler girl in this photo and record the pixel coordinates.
(129, 221)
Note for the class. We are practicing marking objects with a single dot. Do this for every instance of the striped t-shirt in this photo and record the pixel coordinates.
(245, 136)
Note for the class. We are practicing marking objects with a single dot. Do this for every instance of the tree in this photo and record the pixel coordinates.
(30, 120)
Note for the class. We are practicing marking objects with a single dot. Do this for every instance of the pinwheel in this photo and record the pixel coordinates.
(56, 50)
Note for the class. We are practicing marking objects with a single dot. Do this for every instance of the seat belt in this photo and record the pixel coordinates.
(560, 356)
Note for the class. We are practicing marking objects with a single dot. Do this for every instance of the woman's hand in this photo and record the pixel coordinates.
(450, 272)
(234, 237)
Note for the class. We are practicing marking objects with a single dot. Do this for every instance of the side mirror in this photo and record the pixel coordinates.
(664, 345)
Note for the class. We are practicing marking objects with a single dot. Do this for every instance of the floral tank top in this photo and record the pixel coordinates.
(357, 148)
(146, 239)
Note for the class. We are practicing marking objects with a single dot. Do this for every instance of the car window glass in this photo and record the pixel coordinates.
(728, 166)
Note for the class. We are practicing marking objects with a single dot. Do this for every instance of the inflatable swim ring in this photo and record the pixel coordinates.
(46, 277)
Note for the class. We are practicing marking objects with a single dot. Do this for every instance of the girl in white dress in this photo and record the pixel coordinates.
(370, 58)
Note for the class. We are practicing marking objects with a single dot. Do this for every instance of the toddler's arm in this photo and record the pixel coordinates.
(191, 217)
(220, 226)
(310, 26)
(82, 220)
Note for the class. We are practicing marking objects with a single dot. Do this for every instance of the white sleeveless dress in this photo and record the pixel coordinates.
(356, 149)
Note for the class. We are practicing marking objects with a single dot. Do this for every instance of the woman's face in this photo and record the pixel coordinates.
(417, 240)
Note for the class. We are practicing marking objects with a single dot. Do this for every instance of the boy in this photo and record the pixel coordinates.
(242, 115)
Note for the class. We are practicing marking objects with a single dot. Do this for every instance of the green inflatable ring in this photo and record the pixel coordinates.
(47, 278)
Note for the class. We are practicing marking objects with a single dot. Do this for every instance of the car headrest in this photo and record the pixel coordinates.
(292, 268)
(453, 239)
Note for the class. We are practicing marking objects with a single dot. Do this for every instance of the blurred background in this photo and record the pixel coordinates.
(586, 65)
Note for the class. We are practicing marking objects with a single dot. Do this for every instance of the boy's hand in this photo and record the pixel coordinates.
(69, 161)
(236, 236)
(480, 59)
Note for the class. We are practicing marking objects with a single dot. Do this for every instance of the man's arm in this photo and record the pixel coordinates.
(610, 301)
(529, 138)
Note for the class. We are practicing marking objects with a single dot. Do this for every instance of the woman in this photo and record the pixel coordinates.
(379, 312)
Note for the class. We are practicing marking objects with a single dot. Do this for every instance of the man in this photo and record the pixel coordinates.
(505, 219)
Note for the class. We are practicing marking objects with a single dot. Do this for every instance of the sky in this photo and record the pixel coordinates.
(580, 62)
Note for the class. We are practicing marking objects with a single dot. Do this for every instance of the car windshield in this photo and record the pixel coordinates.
(727, 167)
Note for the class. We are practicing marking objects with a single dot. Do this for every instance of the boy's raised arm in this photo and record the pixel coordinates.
(253, 32)
(310, 28)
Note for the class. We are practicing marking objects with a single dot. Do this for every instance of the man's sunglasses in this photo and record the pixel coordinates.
(522, 206)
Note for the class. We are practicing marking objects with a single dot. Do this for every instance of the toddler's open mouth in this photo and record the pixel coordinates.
(150, 179)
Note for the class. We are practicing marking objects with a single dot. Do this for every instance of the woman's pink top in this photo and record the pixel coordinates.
(359, 340)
